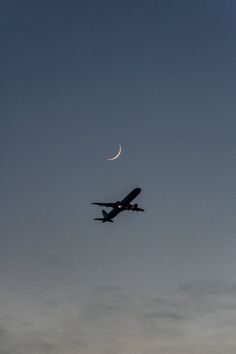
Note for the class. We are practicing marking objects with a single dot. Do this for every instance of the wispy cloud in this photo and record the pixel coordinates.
(199, 318)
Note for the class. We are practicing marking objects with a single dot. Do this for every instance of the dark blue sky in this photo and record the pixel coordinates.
(77, 79)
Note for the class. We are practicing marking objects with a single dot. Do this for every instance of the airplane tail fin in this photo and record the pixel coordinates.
(104, 213)
(104, 219)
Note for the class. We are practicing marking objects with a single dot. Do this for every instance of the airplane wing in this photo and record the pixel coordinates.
(108, 205)
(139, 209)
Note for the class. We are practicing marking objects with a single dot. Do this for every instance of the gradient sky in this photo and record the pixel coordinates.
(77, 79)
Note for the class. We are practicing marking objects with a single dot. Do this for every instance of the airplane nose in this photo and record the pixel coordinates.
(138, 190)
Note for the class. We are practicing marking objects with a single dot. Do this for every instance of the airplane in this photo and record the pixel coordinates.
(119, 206)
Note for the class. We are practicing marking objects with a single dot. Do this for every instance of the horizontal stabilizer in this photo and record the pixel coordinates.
(103, 219)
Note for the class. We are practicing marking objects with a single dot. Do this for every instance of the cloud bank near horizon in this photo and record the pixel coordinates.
(200, 317)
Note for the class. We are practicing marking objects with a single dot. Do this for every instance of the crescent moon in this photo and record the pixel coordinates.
(117, 155)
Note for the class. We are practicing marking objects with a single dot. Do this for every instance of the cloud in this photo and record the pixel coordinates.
(205, 288)
(196, 319)
(55, 262)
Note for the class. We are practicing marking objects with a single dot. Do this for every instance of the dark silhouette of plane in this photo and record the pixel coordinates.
(120, 206)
